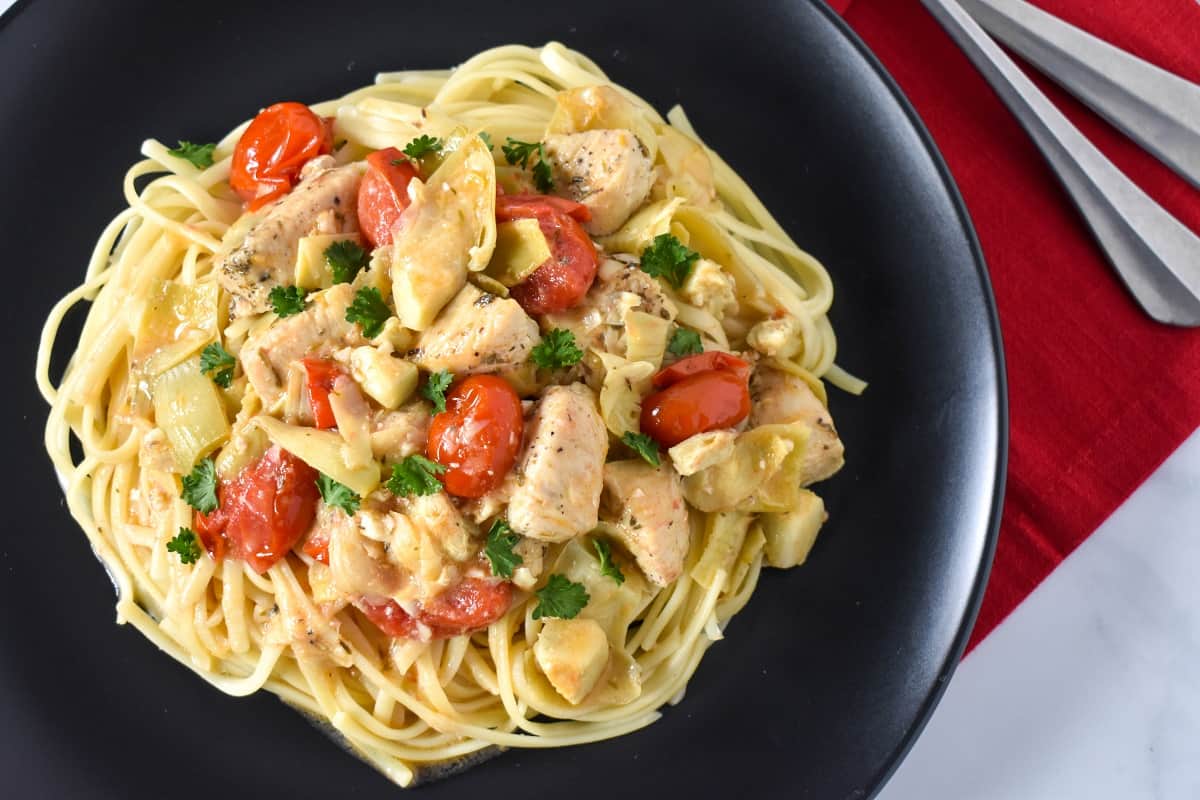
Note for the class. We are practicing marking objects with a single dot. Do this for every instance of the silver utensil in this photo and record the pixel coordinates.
(1156, 109)
(1156, 256)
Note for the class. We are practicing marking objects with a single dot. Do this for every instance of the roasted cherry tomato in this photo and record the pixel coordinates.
(478, 435)
(472, 604)
(705, 401)
(701, 362)
(273, 149)
(263, 512)
(383, 194)
(316, 547)
(321, 374)
(562, 280)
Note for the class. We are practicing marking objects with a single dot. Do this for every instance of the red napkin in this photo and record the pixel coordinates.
(1100, 394)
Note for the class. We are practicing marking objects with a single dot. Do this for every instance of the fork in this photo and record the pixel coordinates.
(1155, 255)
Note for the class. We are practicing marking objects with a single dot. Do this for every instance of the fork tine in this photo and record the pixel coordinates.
(1156, 109)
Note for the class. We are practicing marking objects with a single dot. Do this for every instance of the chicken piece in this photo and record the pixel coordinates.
(477, 332)
(319, 329)
(702, 451)
(326, 202)
(395, 435)
(646, 505)
(559, 471)
(599, 319)
(409, 550)
(778, 397)
(608, 171)
(302, 625)
(711, 288)
(573, 655)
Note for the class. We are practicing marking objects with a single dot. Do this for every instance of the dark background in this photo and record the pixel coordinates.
(828, 674)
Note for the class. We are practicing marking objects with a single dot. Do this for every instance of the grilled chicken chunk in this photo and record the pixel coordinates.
(395, 435)
(778, 397)
(326, 202)
(646, 505)
(318, 330)
(606, 170)
(599, 320)
(477, 332)
(559, 472)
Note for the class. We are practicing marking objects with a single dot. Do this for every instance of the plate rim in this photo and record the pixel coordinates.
(992, 532)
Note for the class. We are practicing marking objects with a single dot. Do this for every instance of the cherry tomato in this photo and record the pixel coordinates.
(701, 362)
(705, 401)
(478, 435)
(273, 149)
(263, 512)
(321, 374)
(316, 547)
(562, 280)
(383, 194)
(472, 604)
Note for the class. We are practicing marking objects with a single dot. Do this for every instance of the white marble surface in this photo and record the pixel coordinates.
(1091, 688)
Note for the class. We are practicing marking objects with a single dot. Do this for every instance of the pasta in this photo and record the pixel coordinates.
(189, 374)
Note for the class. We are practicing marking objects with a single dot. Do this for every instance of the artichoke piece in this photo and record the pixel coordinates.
(763, 473)
(791, 534)
(521, 248)
(449, 229)
(189, 410)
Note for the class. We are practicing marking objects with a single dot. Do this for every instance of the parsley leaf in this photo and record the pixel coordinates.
(518, 152)
(200, 487)
(560, 597)
(668, 258)
(423, 145)
(219, 362)
(369, 311)
(487, 138)
(435, 388)
(608, 567)
(287, 300)
(338, 495)
(684, 342)
(557, 349)
(186, 545)
(643, 445)
(345, 260)
(415, 475)
(499, 549)
(200, 155)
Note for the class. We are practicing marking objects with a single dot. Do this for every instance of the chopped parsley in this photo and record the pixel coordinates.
(415, 475)
(499, 549)
(217, 363)
(200, 487)
(643, 445)
(560, 597)
(338, 495)
(518, 152)
(684, 342)
(287, 300)
(487, 139)
(557, 349)
(423, 145)
(669, 259)
(435, 388)
(345, 260)
(186, 545)
(369, 311)
(608, 567)
(199, 155)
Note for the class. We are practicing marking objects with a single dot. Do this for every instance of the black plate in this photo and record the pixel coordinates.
(827, 676)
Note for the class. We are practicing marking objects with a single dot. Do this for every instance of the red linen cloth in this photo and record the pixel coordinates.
(1099, 394)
